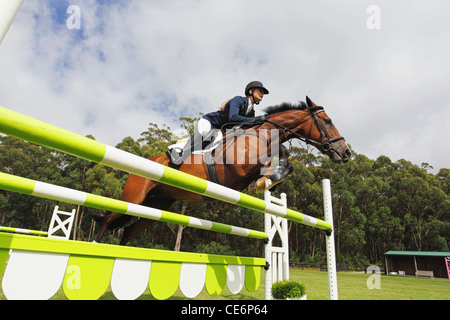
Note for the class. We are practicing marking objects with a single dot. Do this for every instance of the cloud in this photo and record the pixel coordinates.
(135, 62)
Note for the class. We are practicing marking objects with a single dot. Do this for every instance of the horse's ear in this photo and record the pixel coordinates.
(309, 102)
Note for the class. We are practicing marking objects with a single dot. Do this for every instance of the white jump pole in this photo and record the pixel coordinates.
(331, 253)
(8, 12)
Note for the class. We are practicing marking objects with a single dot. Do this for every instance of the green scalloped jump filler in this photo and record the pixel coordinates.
(252, 278)
(216, 278)
(4, 255)
(164, 279)
(87, 277)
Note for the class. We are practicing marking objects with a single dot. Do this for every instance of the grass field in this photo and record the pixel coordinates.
(351, 286)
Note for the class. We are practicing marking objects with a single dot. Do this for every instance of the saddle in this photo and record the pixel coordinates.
(207, 148)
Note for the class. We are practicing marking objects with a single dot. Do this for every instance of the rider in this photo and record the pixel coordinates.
(237, 110)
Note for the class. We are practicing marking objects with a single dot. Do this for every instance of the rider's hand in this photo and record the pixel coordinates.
(261, 118)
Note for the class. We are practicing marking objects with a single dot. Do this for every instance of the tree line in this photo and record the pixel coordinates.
(378, 205)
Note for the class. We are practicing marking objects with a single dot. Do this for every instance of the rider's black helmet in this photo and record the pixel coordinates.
(253, 85)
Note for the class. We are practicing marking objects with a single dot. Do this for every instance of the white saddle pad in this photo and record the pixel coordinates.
(213, 145)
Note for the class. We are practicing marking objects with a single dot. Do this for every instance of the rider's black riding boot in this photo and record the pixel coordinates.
(194, 143)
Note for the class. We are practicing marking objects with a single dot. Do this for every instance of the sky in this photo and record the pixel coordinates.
(380, 68)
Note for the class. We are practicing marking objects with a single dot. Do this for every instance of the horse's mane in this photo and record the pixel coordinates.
(285, 106)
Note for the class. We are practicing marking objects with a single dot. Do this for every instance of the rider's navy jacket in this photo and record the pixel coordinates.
(234, 111)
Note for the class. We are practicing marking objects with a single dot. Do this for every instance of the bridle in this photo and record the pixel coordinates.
(327, 141)
(325, 146)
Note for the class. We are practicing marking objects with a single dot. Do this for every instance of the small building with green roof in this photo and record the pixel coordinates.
(417, 263)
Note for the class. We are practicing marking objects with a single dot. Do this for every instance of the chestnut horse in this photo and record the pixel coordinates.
(306, 122)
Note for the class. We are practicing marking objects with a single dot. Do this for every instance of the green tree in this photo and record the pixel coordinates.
(378, 205)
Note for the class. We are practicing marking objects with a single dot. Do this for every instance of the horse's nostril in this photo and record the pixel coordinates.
(347, 155)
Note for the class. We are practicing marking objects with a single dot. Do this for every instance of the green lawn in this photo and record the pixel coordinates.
(351, 286)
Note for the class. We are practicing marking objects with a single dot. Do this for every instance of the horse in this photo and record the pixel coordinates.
(305, 121)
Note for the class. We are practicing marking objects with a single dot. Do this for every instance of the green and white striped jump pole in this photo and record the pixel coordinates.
(24, 231)
(8, 12)
(38, 132)
(53, 192)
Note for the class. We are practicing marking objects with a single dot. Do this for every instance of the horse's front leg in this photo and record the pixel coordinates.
(268, 182)
(273, 173)
(282, 166)
(261, 185)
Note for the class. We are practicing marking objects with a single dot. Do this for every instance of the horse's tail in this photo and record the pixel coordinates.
(115, 224)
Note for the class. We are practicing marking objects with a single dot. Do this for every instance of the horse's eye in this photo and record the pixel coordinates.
(328, 121)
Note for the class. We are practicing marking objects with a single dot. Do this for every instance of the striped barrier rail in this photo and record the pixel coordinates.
(38, 132)
(53, 192)
(23, 231)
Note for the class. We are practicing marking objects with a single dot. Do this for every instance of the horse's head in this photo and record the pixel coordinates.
(324, 135)
(311, 124)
